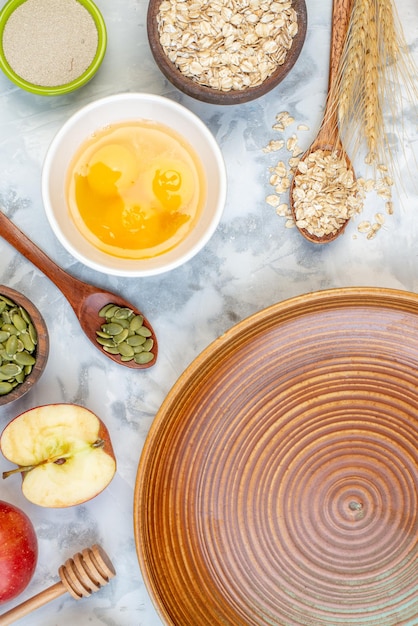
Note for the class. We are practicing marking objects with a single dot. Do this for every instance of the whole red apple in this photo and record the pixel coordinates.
(18, 551)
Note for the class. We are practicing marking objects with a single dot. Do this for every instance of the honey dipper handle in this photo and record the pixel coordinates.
(33, 603)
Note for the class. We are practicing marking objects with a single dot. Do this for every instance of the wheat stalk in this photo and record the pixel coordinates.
(390, 48)
(373, 117)
(374, 64)
(352, 63)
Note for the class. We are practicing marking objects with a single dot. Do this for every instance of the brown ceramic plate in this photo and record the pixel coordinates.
(278, 483)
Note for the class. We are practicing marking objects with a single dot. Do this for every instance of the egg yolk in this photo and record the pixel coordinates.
(110, 168)
(136, 189)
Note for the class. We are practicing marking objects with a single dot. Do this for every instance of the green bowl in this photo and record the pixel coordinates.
(81, 80)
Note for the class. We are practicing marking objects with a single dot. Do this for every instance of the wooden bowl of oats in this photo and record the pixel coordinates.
(226, 53)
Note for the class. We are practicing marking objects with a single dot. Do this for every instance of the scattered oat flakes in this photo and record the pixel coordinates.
(273, 200)
(280, 169)
(274, 145)
(364, 227)
(291, 143)
(284, 210)
(293, 163)
(283, 120)
(372, 233)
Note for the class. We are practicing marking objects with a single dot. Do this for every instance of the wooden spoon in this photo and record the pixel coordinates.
(86, 300)
(82, 575)
(328, 138)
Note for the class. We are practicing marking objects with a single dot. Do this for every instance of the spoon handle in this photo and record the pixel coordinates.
(66, 283)
(341, 11)
(328, 134)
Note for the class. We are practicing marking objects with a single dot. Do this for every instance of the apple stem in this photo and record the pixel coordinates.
(18, 470)
(99, 443)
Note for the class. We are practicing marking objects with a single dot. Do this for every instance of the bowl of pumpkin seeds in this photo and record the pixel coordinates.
(24, 345)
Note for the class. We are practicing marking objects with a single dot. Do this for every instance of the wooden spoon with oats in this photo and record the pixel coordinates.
(323, 192)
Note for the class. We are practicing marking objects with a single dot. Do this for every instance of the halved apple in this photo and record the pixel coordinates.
(63, 452)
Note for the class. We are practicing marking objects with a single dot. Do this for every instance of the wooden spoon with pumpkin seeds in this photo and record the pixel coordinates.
(111, 323)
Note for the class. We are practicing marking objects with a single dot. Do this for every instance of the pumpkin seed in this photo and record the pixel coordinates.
(11, 345)
(8, 301)
(105, 341)
(112, 328)
(143, 357)
(19, 322)
(33, 333)
(27, 342)
(25, 315)
(111, 349)
(121, 336)
(4, 356)
(6, 317)
(123, 313)
(24, 358)
(144, 331)
(125, 349)
(4, 334)
(10, 370)
(136, 340)
(136, 322)
(108, 310)
(9, 328)
(148, 345)
(19, 378)
(124, 334)
(5, 388)
(20, 346)
(120, 321)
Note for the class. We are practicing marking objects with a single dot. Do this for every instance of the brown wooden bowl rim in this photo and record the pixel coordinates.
(213, 96)
(42, 349)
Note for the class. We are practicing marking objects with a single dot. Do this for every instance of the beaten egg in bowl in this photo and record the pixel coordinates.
(135, 189)
(146, 181)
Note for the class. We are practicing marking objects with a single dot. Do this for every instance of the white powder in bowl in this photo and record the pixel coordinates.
(50, 42)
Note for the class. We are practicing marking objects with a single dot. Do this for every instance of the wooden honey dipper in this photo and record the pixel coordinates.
(81, 575)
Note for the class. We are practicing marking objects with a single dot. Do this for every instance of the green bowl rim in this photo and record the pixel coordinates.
(89, 5)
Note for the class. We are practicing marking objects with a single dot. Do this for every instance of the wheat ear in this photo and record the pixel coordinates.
(373, 116)
(349, 81)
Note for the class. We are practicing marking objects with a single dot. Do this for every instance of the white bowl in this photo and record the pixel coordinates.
(113, 109)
